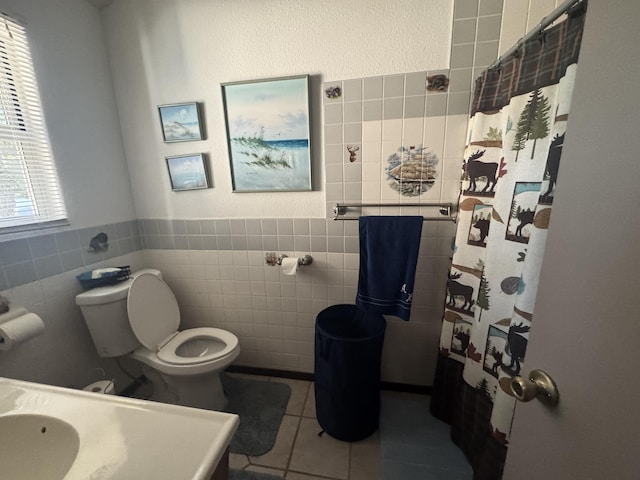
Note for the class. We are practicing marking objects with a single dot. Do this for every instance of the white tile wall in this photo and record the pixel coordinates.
(64, 353)
(273, 315)
(410, 349)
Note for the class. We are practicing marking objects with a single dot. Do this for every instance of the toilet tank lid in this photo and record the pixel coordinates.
(111, 293)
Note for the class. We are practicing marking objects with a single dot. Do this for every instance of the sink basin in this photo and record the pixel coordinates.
(53, 442)
(58, 433)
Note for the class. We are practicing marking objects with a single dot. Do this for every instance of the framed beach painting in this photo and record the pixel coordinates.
(268, 134)
(181, 122)
(187, 172)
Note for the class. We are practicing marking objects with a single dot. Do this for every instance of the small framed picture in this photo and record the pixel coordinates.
(181, 122)
(188, 172)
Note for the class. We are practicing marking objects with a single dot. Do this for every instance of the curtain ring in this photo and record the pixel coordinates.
(517, 53)
(542, 37)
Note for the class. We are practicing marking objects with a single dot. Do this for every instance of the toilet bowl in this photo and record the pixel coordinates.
(183, 366)
(202, 352)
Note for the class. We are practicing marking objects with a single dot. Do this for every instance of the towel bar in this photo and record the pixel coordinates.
(445, 209)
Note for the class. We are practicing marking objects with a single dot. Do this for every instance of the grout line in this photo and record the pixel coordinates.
(295, 436)
(315, 475)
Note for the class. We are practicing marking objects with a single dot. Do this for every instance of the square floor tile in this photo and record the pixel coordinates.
(269, 471)
(299, 391)
(310, 405)
(414, 444)
(238, 461)
(399, 470)
(302, 476)
(365, 461)
(278, 456)
(319, 454)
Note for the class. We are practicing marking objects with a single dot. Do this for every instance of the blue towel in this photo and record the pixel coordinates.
(388, 256)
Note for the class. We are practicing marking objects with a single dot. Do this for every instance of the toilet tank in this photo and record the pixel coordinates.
(105, 312)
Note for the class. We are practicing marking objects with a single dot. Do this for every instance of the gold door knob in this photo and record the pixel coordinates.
(537, 385)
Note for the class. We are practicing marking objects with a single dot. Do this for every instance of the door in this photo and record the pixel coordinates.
(586, 330)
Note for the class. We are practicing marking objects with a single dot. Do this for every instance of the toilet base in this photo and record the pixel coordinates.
(198, 391)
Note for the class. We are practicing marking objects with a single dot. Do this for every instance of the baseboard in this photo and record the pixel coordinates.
(408, 388)
(130, 389)
(269, 372)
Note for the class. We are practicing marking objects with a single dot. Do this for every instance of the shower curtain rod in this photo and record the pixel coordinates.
(544, 23)
(445, 209)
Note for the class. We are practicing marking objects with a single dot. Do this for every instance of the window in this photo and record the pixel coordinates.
(30, 194)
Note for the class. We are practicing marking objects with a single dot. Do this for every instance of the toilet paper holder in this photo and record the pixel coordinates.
(273, 260)
(304, 260)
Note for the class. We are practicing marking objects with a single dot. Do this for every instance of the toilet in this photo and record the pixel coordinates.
(140, 318)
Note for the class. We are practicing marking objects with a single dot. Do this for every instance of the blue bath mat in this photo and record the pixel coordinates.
(260, 405)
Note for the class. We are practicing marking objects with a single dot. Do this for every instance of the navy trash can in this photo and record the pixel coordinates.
(348, 347)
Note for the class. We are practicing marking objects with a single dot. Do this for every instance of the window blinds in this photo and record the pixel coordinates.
(30, 194)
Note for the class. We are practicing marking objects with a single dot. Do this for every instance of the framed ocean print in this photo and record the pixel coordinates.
(268, 134)
(181, 122)
(188, 172)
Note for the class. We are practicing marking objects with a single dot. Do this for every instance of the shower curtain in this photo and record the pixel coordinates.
(516, 131)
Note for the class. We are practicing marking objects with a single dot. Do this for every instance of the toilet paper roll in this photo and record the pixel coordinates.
(103, 386)
(19, 330)
(289, 266)
(14, 311)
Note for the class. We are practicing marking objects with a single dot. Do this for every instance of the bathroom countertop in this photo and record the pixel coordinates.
(124, 438)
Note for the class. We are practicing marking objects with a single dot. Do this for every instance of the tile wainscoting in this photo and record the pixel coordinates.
(273, 315)
(217, 269)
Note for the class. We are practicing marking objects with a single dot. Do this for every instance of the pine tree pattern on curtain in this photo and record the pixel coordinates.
(514, 144)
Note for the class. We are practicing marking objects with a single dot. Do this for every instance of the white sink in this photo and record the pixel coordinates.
(53, 442)
(58, 433)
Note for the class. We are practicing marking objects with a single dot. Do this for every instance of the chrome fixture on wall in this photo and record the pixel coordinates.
(272, 259)
(304, 260)
(445, 209)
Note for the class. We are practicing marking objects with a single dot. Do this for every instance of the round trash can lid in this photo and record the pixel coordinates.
(349, 322)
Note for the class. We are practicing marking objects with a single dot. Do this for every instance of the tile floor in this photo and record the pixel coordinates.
(396, 452)
(416, 445)
(410, 444)
(300, 454)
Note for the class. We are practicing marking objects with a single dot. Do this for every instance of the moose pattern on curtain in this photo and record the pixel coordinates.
(514, 144)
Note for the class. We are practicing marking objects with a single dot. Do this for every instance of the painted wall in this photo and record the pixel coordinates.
(391, 116)
(211, 244)
(215, 262)
(77, 96)
(173, 51)
(39, 271)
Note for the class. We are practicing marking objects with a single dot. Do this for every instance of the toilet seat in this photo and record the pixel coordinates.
(154, 317)
(153, 311)
(216, 344)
